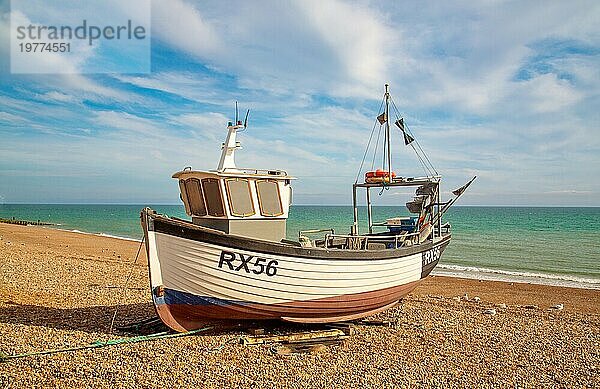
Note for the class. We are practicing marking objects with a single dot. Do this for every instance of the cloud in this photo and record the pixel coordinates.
(131, 124)
(547, 93)
(184, 27)
(294, 40)
(10, 118)
(192, 86)
(358, 41)
(57, 96)
(465, 58)
(210, 125)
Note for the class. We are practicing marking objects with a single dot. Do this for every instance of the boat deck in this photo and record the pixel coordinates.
(378, 241)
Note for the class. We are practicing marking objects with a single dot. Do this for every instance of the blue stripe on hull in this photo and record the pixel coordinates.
(176, 297)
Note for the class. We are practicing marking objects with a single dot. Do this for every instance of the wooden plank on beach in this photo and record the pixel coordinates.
(295, 337)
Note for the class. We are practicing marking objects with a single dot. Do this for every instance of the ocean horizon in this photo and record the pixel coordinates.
(542, 245)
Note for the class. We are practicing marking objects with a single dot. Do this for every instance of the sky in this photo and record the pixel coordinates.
(508, 91)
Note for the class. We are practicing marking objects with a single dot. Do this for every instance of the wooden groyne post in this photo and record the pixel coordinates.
(25, 222)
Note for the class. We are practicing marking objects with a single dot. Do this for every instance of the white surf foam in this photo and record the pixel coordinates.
(514, 276)
(102, 234)
(118, 237)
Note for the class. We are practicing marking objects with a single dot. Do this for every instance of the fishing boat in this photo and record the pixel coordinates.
(232, 260)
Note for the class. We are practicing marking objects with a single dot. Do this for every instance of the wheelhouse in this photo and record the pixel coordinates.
(247, 202)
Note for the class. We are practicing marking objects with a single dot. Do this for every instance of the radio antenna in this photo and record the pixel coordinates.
(246, 119)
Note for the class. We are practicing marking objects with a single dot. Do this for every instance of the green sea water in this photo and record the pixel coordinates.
(559, 246)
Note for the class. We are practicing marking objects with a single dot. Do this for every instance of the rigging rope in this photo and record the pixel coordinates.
(365, 155)
(422, 158)
(367, 149)
(112, 322)
(423, 165)
(376, 147)
(422, 151)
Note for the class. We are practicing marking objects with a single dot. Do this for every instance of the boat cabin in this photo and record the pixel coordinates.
(248, 202)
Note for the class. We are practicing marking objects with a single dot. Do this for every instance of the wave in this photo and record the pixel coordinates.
(516, 276)
(118, 237)
(102, 234)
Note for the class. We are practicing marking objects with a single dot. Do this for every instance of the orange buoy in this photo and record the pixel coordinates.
(379, 175)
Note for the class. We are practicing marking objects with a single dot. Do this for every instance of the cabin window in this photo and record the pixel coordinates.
(183, 196)
(214, 199)
(195, 199)
(240, 199)
(269, 198)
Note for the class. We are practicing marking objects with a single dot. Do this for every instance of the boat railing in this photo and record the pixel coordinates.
(305, 240)
(445, 228)
(361, 242)
(301, 233)
(264, 172)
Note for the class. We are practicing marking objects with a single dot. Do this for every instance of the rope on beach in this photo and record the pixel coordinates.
(111, 342)
(225, 344)
(112, 322)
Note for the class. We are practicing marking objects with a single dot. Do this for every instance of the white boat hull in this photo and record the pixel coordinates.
(198, 274)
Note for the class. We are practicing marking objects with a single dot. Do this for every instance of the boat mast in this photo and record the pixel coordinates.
(227, 160)
(387, 131)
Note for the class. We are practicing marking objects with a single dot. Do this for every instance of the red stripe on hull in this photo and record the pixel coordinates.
(187, 317)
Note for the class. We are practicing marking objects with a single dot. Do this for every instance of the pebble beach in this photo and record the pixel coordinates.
(61, 289)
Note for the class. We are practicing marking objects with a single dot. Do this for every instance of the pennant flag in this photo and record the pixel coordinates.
(400, 124)
(407, 138)
(382, 118)
(460, 190)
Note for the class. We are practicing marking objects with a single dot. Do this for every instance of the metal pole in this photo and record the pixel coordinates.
(355, 224)
(438, 200)
(387, 130)
(369, 215)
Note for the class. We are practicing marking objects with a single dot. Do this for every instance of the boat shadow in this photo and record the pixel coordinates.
(130, 319)
(94, 319)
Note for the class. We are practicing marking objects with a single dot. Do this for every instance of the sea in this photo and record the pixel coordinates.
(541, 245)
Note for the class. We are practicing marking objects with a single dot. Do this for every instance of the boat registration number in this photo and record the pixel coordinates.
(247, 263)
(430, 256)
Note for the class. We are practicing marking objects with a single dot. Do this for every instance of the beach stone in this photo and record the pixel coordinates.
(558, 307)
(490, 311)
(56, 307)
